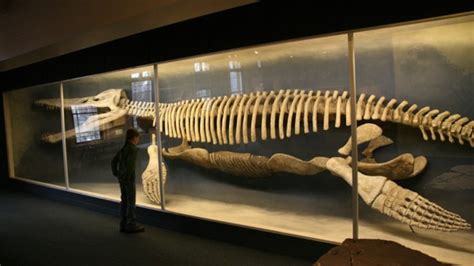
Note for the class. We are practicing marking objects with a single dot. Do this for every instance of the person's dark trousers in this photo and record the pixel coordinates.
(127, 205)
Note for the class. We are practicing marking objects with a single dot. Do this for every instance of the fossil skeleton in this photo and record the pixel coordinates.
(230, 120)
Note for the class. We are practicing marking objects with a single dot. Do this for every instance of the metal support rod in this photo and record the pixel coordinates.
(8, 135)
(156, 87)
(355, 185)
(63, 131)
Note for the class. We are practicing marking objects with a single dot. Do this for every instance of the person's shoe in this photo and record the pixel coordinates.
(135, 228)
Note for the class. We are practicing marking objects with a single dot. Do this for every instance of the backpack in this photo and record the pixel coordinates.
(118, 164)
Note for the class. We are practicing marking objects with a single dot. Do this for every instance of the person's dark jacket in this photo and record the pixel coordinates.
(124, 162)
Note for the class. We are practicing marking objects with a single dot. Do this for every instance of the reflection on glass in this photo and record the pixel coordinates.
(80, 115)
(239, 146)
(35, 122)
(427, 69)
(99, 110)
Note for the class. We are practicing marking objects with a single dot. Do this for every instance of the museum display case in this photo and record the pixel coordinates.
(266, 137)
(428, 69)
(28, 122)
(229, 160)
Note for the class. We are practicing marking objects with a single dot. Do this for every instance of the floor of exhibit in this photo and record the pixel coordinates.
(453, 247)
(38, 231)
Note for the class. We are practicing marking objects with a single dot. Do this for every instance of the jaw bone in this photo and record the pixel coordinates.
(112, 99)
(399, 203)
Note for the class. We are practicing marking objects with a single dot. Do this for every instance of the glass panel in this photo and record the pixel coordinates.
(34, 125)
(272, 184)
(422, 65)
(97, 118)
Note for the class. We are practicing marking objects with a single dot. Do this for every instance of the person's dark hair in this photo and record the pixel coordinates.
(131, 133)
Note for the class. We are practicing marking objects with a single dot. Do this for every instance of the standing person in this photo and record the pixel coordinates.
(123, 167)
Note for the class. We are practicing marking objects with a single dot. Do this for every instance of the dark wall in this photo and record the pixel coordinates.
(258, 23)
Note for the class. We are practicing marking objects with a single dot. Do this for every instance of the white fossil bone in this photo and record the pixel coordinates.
(233, 111)
(376, 113)
(376, 143)
(306, 112)
(388, 110)
(245, 125)
(213, 114)
(368, 107)
(266, 109)
(399, 203)
(365, 132)
(150, 180)
(408, 116)
(253, 126)
(275, 110)
(315, 112)
(360, 106)
(337, 123)
(401, 167)
(398, 113)
(281, 118)
(327, 102)
(299, 111)
(240, 112)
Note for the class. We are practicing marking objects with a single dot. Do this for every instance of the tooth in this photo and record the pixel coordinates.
(365, 132)
(265, 110)
(306, 112)
(275, 109)
(240, 112)
(315, 111)
(253, 131)
(220, 111)
(376, 113)
(388, 108)
(398, 113)
(360, 104)
(368, 107)
(231, 118)
(213, 119)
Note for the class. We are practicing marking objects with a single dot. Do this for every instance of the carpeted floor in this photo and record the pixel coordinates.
(38, 231)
